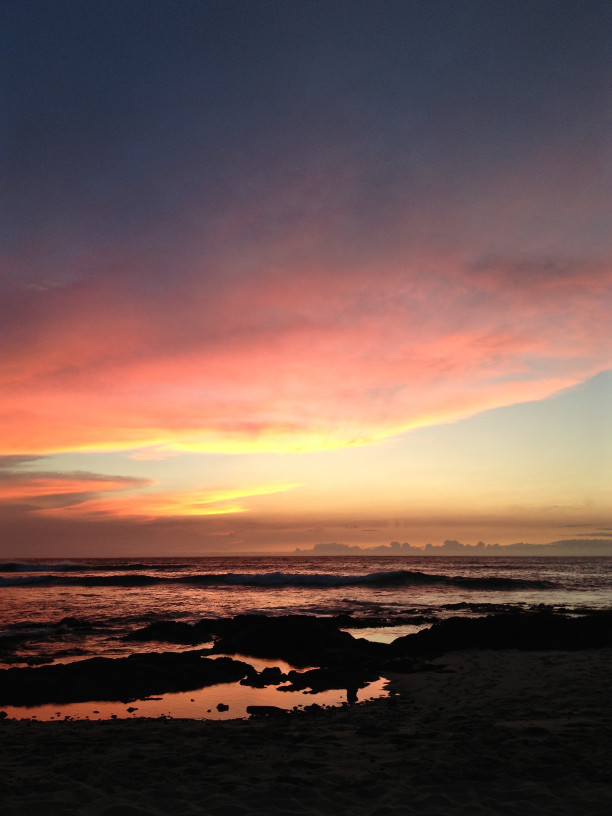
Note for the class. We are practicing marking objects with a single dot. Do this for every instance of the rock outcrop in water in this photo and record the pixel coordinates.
(302, 640)
(172, 632)
(513, 630)
(124, 679)
(335, 658)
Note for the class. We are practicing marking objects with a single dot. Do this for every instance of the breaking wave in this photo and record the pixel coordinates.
(396, 578)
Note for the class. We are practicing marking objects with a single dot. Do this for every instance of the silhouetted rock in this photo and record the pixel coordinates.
(350, 678)
(536, 630)
(302, 640)
(346, 621)
(123, 679)
(299, 639)
(342, 661)
(270, 676)
(171, 632)
(266, 711)
(41, 660)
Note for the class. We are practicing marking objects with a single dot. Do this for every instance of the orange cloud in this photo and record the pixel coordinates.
(170, 504)
(41, 492)
(31, 487)
(81, 494)
(294, 359)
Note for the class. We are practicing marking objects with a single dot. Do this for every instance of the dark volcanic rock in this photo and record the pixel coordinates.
(38, 661)
(171, 632)
(346, 621)
(350, 678)
(342, 661)
(124, 679)
(537, 630)
(266, 711)
(301, 640)
(270, 676)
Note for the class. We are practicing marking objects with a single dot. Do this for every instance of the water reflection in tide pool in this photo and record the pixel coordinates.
(194, 705)
(386, 634)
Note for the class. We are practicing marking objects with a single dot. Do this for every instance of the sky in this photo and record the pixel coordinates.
(277, 274)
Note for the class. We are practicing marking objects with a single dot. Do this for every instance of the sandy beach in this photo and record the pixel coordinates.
(481, 732)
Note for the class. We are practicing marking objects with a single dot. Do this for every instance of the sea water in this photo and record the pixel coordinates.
(59, 610)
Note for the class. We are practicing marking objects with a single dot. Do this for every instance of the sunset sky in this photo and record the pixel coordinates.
(279, 273)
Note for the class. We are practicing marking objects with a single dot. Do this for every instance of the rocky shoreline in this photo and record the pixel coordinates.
(489, 733)
(325, 656)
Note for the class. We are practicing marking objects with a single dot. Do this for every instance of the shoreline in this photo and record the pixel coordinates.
(318, 653)
(488, 732)
(225, 701)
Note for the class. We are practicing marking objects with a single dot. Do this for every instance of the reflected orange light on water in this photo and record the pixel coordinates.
(199, 704)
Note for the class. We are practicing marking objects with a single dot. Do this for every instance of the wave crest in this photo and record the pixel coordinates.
(395, 578)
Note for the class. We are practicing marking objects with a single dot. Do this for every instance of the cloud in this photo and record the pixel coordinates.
(43, 490)
(296, 359)
(176, 504)
(14, 461)
(305, 253)
(83, 495)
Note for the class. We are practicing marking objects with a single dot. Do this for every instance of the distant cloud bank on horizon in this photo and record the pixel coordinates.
(573, 546)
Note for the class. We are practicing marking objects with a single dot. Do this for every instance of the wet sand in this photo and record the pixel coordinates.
(484, 732)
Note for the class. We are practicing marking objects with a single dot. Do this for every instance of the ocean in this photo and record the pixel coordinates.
(62, 610)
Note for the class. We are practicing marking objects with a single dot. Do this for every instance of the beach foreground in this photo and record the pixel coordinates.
(480, 732)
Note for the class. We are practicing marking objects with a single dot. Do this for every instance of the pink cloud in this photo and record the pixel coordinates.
(291, 341)
(40, 492)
